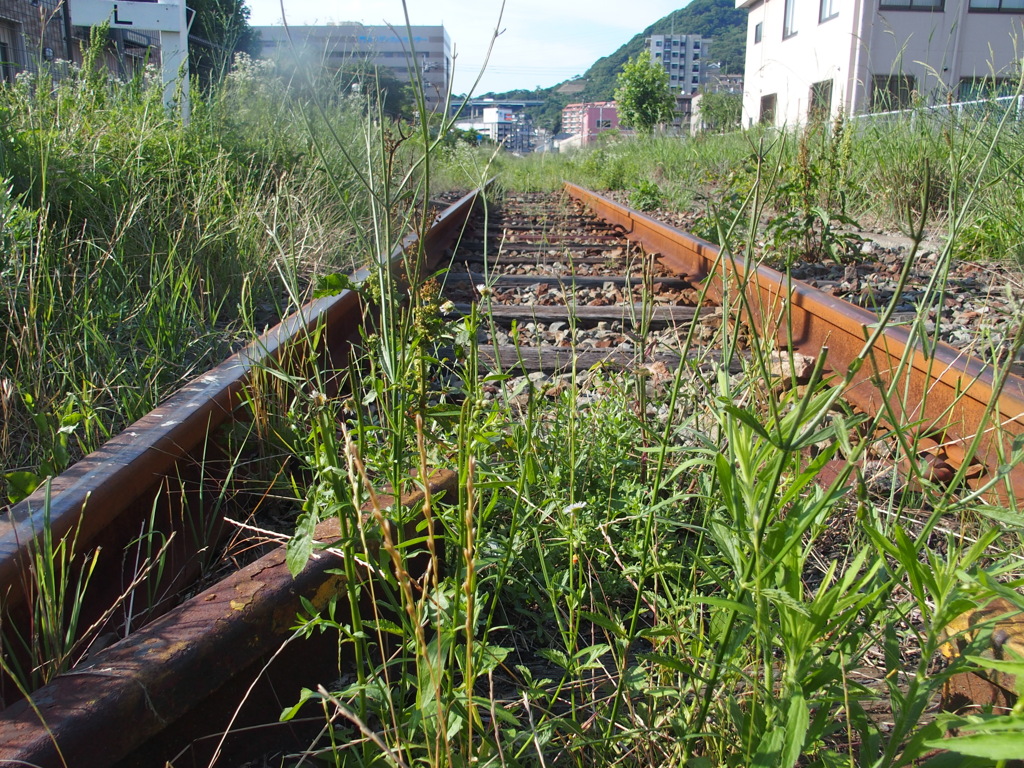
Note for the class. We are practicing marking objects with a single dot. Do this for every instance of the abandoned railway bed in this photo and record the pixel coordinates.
(562, 286)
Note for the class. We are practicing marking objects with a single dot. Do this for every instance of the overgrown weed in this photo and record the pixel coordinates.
(135, 249)
(635, 588)
(633, 575)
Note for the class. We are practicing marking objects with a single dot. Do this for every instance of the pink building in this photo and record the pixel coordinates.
(588, 119)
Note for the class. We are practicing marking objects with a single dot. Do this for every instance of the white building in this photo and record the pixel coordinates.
(502, 125)
(817, 57)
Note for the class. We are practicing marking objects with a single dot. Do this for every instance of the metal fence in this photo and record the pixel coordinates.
(980, 109)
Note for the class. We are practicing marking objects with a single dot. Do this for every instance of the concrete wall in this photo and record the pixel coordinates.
(940, 48)
(817, 51)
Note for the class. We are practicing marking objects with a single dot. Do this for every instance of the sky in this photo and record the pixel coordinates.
(542, 42)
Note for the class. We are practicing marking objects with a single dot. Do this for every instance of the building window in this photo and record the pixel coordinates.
(829, 9)
(819, 105)
(758, 28)
(911, 5)
(10, 52)
(768, 109)
(892, 92)
(997, 6)
(696, 81)
(977, 88)
(696, 67)
(788, 24)
(696, 45)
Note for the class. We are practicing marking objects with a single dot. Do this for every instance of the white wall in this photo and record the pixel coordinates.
(940, 48)
(788, 67)
(861, 41)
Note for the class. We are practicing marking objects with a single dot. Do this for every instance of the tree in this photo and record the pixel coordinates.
(643, 96)
(379, 86)
(219, 29)
(720, 111)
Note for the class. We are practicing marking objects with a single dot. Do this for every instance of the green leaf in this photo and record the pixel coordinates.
(293, 710)
(332, 285)
(798, 719)
(1006, 745)
(488, 657)
(1001, 515)
(783, 599)
(383, 625)
(768, 750)
(748, 418)
(555, 656)
(721, 602)
(604, 622)
(300, 545)
(1015, 668)
(588, 658)
(20, 485)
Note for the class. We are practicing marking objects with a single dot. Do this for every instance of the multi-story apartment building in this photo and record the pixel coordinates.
(813, 58)
(588, 119)
(403, 51)
(683, 57)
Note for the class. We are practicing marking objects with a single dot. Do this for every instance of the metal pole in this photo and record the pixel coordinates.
(174, 65)
(66, 17)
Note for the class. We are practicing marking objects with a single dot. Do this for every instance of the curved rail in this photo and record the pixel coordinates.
(945, 391)
(169, 465)
(187, 671)
(211, 647)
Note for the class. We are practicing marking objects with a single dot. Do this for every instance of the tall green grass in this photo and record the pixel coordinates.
(636, 570)
(647, 572)
(138, 252)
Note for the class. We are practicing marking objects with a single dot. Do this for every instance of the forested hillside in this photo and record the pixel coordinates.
(709, 18)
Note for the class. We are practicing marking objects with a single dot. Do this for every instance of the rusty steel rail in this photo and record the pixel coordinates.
(202, 656)
(170, 465)
(160, 679)
(945, 392)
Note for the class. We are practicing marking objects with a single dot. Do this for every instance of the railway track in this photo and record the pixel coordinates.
(562, 284)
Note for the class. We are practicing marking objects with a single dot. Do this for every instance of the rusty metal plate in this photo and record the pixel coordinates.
(990, 689)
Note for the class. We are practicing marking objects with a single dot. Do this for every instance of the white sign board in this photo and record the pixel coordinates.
(167, 18)
(162, 17)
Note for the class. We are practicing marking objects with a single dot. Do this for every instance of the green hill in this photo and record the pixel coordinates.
(718, 19)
